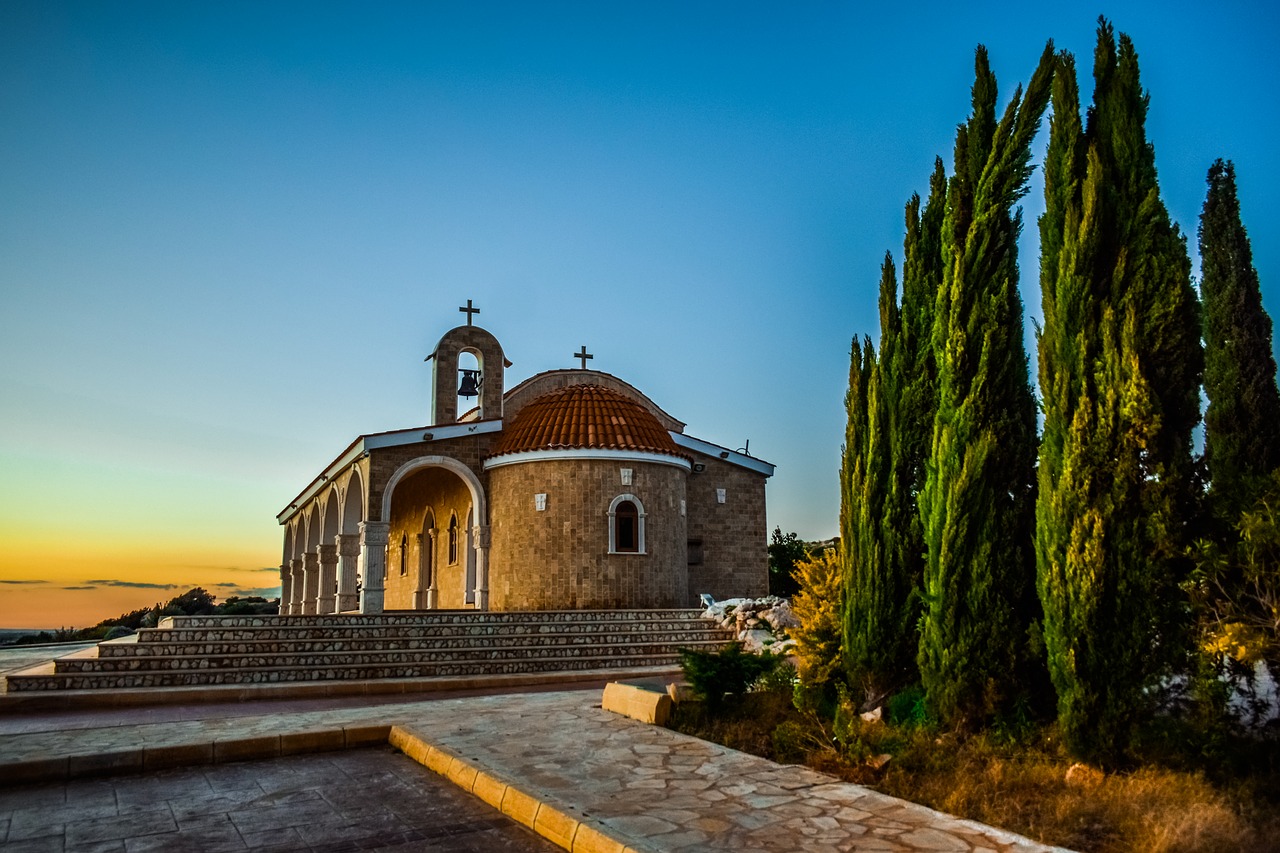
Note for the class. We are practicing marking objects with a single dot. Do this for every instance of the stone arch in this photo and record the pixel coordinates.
(467, 476)
(353, 503)
(329, 517)
(290, 549)
(476, 538)
(313, 528)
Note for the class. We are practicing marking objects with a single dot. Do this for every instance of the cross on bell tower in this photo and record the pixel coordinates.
(468, 310)
(450, 380)
(583, 355)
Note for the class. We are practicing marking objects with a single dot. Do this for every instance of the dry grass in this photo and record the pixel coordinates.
(1020, 787)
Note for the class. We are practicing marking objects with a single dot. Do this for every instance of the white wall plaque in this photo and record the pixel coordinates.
(540, 502)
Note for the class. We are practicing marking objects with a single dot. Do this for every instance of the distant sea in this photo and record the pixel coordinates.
(8, 635)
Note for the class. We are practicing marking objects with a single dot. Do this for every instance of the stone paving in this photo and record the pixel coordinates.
(583, 777)
(368, 799)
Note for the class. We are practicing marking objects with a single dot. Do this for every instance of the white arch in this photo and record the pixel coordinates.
(313, 527)
(613, 517)
(299, 537)
(466, 474)
(352, 509)
(329, 517)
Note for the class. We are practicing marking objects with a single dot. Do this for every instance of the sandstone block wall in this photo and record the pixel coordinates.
(730, 539)
(559, 557)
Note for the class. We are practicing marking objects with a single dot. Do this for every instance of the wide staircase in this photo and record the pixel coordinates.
(204, 651)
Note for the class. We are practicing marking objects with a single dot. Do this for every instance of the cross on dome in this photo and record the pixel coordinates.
(583, 355)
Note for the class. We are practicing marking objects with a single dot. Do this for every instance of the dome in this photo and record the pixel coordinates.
(584, 417)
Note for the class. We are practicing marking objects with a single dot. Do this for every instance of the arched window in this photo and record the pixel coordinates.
(404, 553)
(453, 540)
(626, 525)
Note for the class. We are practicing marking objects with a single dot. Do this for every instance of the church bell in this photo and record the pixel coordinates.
(470, 384)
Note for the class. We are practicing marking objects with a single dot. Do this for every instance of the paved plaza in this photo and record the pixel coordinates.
(366, 799)
(583, 778)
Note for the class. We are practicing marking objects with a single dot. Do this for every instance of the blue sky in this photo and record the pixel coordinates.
(230, 233)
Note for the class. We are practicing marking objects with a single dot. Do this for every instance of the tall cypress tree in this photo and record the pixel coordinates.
(869, 588)
(881, 604)
(1119, 372)
(1242, 422)
(977, 504)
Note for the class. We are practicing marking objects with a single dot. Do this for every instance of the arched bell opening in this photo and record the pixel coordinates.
(470, 401)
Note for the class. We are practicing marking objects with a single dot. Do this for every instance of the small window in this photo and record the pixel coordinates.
(626, 525)
(453, 540)
(404, 554)
(628, 521)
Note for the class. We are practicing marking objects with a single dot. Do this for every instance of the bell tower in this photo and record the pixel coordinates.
(448, 382)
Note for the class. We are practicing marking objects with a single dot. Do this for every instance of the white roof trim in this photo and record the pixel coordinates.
(587, 453)
(431, 433)
(365, 443)
(733, 457)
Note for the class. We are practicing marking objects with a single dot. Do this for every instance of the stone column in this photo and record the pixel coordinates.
(310, 582)
(348, 545)
(295, 588)
(480, 536)
(419, 588)
(328, 578)
(286, 584)
(433, 592)
(373, 564)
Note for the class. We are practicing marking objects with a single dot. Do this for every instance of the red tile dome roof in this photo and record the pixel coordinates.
(584, 416)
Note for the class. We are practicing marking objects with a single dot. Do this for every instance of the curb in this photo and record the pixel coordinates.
(553, 822)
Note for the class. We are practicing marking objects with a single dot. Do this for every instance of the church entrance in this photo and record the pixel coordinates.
(431, 543)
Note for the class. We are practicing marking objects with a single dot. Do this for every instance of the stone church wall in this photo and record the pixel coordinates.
(727, 541)
(558, 558)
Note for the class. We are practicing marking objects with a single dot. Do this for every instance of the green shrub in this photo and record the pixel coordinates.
(909, 708)
(730, 672)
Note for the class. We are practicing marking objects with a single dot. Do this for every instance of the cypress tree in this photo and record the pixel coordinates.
(1119, 372)
(869, 588)
(1242, 422)
(977, 505)
(882, 605)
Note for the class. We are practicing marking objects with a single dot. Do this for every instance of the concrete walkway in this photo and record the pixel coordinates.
(584, 778)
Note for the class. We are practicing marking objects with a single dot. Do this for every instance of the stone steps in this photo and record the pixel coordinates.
(249, 650)
(433, 617)
(194, 647)
(339, 658)
(164, 637)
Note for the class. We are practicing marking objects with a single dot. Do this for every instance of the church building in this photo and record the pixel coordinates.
(571, 490)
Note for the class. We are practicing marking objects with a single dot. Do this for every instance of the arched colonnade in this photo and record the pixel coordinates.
(335, 546)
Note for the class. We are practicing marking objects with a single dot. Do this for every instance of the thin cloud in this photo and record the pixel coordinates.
(79, 587)
(29, 582)
(132, 584)
(261, 592)
(228, 568)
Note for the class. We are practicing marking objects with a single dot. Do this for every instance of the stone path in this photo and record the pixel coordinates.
(583, 777)
(368, 799)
